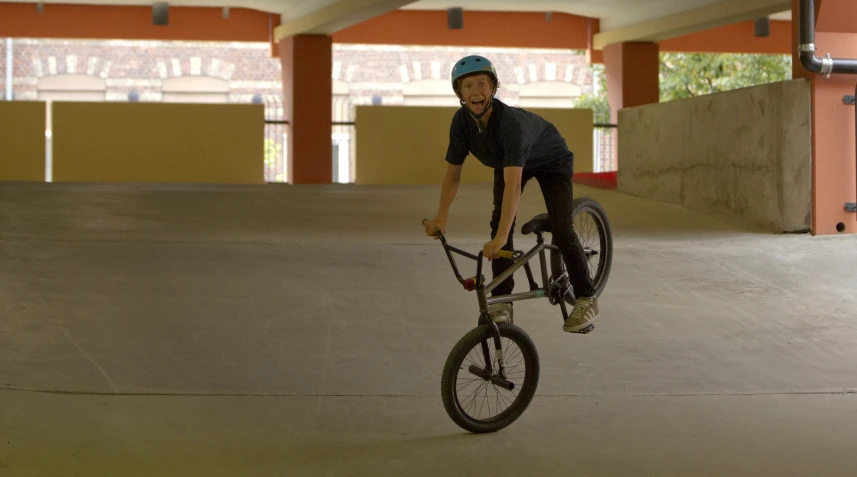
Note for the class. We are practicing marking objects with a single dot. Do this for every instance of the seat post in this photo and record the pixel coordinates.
(542, 259)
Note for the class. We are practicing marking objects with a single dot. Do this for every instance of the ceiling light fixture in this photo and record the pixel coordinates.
(763, 27)
(455, 18)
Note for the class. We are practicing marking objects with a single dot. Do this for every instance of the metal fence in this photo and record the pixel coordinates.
(343, 133)
(605, 142)
(343, 142)
(276, 137)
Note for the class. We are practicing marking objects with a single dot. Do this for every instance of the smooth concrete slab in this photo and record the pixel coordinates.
(783, 435)
(301, 330)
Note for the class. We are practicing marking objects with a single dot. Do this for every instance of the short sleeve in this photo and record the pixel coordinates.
(457, 151)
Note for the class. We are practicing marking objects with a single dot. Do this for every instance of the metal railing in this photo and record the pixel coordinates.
(605, 144)
(276, 153)
(343, 141)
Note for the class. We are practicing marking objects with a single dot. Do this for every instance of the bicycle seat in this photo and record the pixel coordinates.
(538, 224)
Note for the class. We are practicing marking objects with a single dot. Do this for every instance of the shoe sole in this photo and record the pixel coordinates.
(575, 329)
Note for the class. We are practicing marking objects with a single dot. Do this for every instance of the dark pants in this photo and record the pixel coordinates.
(557, 190)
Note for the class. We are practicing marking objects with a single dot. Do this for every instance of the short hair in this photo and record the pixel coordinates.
(490, 75)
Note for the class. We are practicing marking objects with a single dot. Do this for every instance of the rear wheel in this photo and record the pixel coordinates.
(593, 230)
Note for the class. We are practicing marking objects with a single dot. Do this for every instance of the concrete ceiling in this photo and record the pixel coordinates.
(613, 13)
(328, 16)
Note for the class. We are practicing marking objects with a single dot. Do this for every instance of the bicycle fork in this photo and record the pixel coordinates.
(488, 373)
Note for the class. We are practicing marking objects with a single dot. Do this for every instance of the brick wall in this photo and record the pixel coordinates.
(143, 65)
(383, 70)
(368, 70)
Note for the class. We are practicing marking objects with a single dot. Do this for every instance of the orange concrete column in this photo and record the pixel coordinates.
(834, 154)
(593, 56)
(632, 75)
(307, 94)
(632, 80)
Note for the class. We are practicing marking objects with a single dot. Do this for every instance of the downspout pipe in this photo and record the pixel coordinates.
(825, 65)
(10, 62)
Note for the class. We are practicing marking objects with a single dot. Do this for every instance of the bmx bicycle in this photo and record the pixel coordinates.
(471, 370)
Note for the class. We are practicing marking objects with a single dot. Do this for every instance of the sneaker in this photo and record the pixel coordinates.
(500, 312)
(584, 313)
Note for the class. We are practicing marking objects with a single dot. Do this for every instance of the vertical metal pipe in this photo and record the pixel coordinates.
(9, 73)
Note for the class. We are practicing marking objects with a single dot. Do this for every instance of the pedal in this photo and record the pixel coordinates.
(587, 330)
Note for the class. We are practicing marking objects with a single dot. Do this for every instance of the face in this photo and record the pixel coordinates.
(476, 91)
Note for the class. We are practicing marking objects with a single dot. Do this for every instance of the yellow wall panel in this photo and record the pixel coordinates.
(22, 141)
(407, 144)
(158, 142)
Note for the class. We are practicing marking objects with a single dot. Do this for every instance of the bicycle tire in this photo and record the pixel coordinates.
(605, 235)
(454, 365)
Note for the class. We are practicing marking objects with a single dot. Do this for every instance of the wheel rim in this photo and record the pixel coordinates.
(476, 397)
(591, 231)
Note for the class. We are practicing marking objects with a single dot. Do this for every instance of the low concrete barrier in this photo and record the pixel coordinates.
(746, 153)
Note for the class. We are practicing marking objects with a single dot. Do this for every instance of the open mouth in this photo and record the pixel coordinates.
(478, 102)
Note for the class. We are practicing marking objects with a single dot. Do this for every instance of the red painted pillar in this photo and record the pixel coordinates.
(632, 75)
(307, 94)
(632, 78)
(834, 154)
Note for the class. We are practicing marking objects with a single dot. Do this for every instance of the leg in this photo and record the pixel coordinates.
(558, 192)
(501, 264)
(501, 312)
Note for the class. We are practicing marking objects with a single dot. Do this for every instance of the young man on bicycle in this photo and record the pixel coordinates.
(519, 146)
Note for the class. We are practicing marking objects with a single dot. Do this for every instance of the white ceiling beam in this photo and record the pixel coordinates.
(336, 16)
(691, 21)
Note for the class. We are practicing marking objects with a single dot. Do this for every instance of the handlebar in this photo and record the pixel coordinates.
(473, 282)
(502, 253)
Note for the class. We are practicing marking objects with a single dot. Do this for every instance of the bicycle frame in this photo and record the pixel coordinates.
(520, 258)
(477, 283)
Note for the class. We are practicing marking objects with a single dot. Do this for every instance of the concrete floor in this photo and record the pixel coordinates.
(282, 330)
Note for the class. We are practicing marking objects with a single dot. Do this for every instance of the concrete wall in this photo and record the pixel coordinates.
(22, 141)
(746, 153)
(407, 144)
(155, 142)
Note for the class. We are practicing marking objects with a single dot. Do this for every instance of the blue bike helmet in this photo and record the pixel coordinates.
(473, 65)
(470, 65)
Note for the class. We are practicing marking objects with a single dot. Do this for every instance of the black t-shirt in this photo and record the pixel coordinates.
(513, 137)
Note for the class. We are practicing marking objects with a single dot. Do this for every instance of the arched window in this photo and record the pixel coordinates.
(71, 87)
(548, 94)
(429, 92)
(195, 89)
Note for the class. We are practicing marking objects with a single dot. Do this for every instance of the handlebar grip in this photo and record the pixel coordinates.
(506, 254)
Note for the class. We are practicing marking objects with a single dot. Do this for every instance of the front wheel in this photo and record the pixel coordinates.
(593, 230)
(480, 401)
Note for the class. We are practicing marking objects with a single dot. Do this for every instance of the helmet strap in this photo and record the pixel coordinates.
(478, 117)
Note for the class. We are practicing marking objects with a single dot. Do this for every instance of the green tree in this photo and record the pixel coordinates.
(685, 75)
(597, 101)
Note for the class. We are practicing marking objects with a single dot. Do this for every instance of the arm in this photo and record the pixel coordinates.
(455, 156)
(448, 190)
(511, 199)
